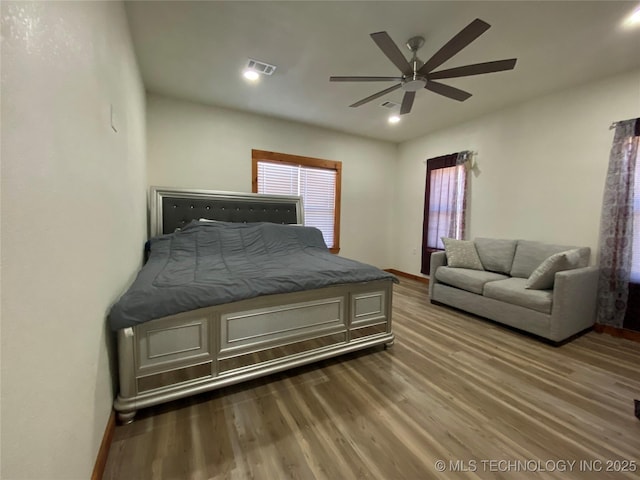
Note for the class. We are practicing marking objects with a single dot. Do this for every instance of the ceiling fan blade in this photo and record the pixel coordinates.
(365, 79)
(376, 95)
(391, 50)
(467, 35)
(447, 91)
(407, 102)
(475, 69)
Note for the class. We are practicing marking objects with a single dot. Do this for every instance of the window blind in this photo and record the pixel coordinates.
(317, 186)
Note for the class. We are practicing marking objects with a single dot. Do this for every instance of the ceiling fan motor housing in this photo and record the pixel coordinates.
(413, 82)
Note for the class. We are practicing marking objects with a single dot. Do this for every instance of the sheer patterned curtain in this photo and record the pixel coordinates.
(616, 228)
(445, 203)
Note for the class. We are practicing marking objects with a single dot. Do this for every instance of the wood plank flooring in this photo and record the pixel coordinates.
(490, 402)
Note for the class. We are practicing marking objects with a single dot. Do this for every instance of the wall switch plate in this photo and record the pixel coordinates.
(114, 119)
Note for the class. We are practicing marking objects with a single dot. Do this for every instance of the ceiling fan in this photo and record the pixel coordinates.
(417, 75)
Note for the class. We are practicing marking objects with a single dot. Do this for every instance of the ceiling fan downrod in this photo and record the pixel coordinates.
(413, 82)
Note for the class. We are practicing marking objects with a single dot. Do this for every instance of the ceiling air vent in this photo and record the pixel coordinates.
(261, 67)
(389, 105)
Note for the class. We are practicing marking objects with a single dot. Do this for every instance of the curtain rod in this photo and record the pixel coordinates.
(468, 152)
(615, 124)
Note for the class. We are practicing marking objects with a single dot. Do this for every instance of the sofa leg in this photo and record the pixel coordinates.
(571, 338)
(439, 304)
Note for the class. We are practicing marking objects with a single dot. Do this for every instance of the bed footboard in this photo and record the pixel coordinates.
(201, 350)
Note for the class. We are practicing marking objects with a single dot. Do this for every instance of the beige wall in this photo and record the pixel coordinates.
(540, 168)
(73, 226)
(74, 210)
(196, 146)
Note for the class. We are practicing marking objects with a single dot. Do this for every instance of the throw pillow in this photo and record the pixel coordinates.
(544, 276)
(462, 254)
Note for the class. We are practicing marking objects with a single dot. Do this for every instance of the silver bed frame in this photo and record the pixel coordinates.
(209, 348)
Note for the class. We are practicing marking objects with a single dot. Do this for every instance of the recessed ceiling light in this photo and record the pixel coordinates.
(394, 118)
(633, 20)
(251, 75)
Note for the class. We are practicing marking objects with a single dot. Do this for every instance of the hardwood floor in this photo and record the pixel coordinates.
(453, 387)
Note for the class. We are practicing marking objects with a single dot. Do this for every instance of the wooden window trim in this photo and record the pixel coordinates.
(275, 157)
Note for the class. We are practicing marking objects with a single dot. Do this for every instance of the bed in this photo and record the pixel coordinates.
(167, 352)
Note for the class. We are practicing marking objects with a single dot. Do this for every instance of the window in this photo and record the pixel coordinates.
(317, 181)
(635, 249)
(632, 316)
(444, 205)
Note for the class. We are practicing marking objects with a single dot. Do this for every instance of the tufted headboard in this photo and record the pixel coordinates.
(173, 208)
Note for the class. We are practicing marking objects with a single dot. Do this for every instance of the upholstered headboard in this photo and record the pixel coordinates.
(173, 208)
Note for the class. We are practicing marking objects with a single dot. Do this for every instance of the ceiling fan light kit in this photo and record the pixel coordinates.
(417, 75)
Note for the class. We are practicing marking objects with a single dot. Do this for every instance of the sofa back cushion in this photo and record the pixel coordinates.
(496, 254)
(529, 255)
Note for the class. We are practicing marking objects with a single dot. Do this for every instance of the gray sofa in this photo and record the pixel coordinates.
(498, 292)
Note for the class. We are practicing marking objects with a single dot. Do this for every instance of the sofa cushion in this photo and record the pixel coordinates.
(466, 279)
(512, 290)
(461, 254)
(544, 276)
(529, 255)
(496, 254)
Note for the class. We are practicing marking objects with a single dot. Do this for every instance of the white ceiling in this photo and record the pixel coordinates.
(197, 50)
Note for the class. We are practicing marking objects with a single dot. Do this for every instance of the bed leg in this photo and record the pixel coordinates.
(126, 418)
(388, 344)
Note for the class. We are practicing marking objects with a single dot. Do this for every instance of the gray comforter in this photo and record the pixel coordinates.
(209, 264)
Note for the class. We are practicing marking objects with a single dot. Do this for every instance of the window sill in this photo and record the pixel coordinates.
(335, 250)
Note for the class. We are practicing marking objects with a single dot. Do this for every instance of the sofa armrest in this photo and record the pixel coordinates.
(574, 302)
(438, 259)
